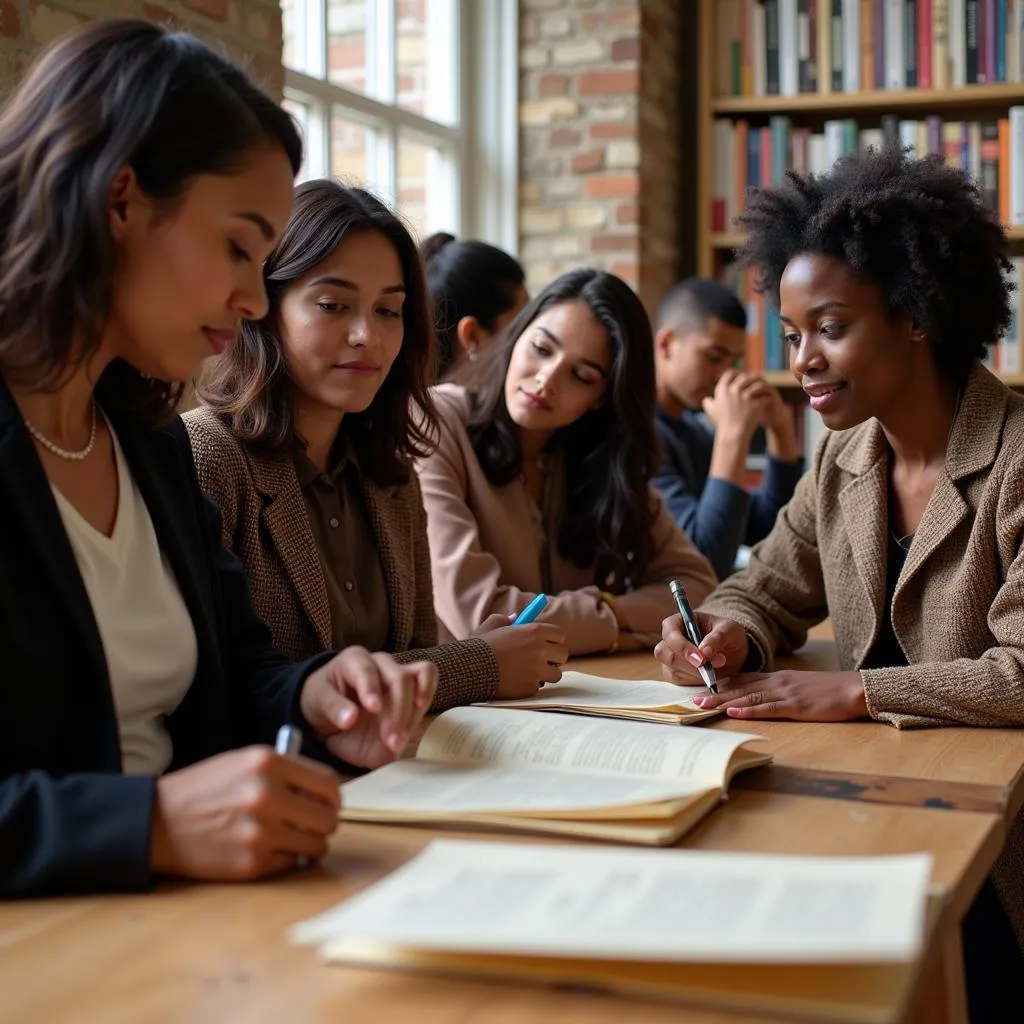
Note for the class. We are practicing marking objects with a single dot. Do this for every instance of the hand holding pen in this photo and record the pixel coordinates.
(696, 644)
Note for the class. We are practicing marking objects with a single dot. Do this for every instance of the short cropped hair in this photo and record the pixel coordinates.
(689, 304)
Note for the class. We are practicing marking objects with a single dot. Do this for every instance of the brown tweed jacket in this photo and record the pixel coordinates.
(958, 607)
(265, 524)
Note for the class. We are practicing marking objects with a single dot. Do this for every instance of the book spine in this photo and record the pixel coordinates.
(1004, 170)
(971, 35)
(746, 60)
(890, 130)
(878, 35)
(824, 51)
(1001, 39)
(742, 130)
(851, 46)
(895, 72)
(779, 127)
(771, 36)
(908, 137)
(867, 43)
(910, 50)
(937, 43)
(789, 61)
(986, 42)
(988, 179)
(803, 48)
(758, 47)
(1017, 166)
(974, 151)
(957, 35)
(837, 47)
(926, 46)
(933, 127)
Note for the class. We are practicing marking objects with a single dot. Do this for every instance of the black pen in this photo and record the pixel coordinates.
(707, 673)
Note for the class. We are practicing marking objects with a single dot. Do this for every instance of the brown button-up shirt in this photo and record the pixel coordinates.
(356, 591)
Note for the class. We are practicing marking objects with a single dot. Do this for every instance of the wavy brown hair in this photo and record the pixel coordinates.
(609, 453)
(247, 387)
(111, 94)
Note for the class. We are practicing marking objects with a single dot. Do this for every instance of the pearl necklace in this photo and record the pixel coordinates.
(63, 453)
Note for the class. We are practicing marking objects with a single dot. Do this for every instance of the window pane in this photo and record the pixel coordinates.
(426, 62)
(426, 187)
(347, 23)
(310, 118)
(302, 31)
(351, 150)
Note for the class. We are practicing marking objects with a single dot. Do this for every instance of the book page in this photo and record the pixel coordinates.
(425, 788)
(580, 690)
(669, 905)
(501, 736)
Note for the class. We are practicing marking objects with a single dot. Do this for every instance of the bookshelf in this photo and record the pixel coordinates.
(807, 112)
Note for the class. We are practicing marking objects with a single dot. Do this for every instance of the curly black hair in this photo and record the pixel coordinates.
(916, 229)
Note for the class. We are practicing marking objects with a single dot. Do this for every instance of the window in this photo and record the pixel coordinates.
(383, 92)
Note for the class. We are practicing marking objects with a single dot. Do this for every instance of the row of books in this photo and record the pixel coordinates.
(787, 47)
(766, 350)
(747, 156)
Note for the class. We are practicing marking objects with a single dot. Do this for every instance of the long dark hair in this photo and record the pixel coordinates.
(247, 386)
(467, 278)
(111, 94)
(609, 453)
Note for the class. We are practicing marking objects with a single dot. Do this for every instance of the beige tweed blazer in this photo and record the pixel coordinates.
(264, 522)
(958, 607)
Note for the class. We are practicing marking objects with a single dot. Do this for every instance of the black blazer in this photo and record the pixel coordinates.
(69, 818)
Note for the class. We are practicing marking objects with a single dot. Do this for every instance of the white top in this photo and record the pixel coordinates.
(147, 633)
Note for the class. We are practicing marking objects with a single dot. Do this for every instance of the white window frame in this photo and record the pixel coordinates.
(483, 140)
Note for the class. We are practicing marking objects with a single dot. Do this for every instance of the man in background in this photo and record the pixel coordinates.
(700, 336)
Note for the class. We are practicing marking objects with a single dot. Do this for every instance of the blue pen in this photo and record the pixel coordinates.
(531, 611)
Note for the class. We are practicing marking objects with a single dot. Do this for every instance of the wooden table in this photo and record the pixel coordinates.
(960, 768)
(217, 953)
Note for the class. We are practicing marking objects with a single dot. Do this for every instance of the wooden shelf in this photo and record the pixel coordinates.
(724, 240)
(999, 94)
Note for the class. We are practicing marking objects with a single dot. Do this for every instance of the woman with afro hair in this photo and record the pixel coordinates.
(890, 281)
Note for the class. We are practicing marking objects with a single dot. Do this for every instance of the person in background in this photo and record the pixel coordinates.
(701, 335)
(143, 179)
(305, 439)
(908, 531)
(540, 482)
(475, 290)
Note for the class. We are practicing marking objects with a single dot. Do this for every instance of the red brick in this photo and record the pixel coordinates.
(613, 130)
(627, 270)
(626, 49)
(10, 20)
(215, 9)
(564, 138)
(627, 213)
(585, 163)
(614, 243)
(613, 186)
(604, 19)
(154, 12)
(603, 83)
(554, 85)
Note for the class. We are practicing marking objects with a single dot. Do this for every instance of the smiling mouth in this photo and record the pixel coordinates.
(821, 390)
(535, 400)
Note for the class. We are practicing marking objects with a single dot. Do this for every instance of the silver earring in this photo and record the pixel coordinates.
(471, 354)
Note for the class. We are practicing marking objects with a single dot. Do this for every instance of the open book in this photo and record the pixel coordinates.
(831, 938)
(490, 768)
(647, 700)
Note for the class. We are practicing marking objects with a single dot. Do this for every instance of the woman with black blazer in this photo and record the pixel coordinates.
(143, 179)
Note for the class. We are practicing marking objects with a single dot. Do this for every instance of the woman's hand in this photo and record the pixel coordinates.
(242, 814)
(365, 706)
(725, 646)
(528, 657)
(803, 696)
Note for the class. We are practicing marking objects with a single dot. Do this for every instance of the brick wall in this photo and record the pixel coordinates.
(250, 30)
(599, 174)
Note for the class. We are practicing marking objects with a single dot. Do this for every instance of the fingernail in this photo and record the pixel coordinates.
(695, 659)
(699, 701)
(373, 702)
(396, 741)
(707, 651)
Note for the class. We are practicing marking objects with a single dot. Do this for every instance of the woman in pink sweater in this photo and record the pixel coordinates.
(540, 480)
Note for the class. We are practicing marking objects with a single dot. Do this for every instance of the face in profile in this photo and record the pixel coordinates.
(692, 363)
(559, 368)
(190, 274)
(341, 324)
(852, 357)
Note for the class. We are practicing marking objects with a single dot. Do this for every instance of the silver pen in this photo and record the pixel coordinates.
(289, 741)
(707, 673)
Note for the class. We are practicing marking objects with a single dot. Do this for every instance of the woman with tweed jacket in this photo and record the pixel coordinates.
(888, 274)
(305, 438)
